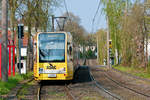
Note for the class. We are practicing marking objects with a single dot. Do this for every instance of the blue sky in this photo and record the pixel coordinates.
(85, 9)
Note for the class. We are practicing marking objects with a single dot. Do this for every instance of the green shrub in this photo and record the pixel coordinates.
(5, 87)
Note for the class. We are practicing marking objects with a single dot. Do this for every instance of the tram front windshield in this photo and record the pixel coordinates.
(52, 47)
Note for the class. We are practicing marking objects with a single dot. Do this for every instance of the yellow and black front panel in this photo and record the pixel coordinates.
(52, 57)
(53, 71)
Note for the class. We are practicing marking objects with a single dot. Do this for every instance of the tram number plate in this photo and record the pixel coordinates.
(51, 75)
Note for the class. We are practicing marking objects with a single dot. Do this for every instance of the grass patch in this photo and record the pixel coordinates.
(59, 94)
(5, 87)
(141, 72)
(52, 93)
(92, 98)
(25, 90)
(88, 98)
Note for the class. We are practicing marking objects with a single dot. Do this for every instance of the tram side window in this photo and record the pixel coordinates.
(35, 52)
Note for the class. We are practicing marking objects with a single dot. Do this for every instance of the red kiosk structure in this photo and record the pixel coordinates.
(9, 54)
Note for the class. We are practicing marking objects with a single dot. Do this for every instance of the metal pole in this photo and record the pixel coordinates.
(108, 56)
(9, 70)
(13, 60)
(4, 53)
(19, 45)
(97, 50)
(0, 61)
(52, 23)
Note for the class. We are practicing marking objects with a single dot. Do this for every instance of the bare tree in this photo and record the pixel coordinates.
(13, 5)
(102, 45)
(73, 26)
(4, 53)
(36, 15)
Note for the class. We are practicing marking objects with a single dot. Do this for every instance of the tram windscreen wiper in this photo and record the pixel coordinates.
(51, 55)
(42, 53)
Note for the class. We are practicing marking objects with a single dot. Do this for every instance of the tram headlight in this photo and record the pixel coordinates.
(40, 70)
(64, 69)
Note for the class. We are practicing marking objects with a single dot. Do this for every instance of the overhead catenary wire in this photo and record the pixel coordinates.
(60, 10)
(92, 30)
(67, 12)
(93, 20)
(98, 21)
(66, 8)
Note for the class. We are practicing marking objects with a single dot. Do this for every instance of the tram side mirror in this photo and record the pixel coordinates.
(71, 59)
(70, 50)
(68, 43)
(35, 43)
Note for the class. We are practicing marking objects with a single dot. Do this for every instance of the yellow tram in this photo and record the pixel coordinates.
(53, 56)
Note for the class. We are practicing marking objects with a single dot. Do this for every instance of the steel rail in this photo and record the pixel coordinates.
(130, 75)
(70, 95)
(108, 77)
(30, 80)
(118, 83)
(15, 93)
(99, 86)
(39, 92)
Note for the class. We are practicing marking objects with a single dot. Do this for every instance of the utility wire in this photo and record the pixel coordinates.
(60, 10)
(67, 12)
(92, 31)
(66, 8)
(98, 21)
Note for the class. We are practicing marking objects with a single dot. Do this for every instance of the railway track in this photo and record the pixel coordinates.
(133, 76)
(124, 86)
(38, 92)
(82, 88)
(19, 90)
(117, 84)
(109, 94)
(69, 93)
(62, 88)
(14, 93)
